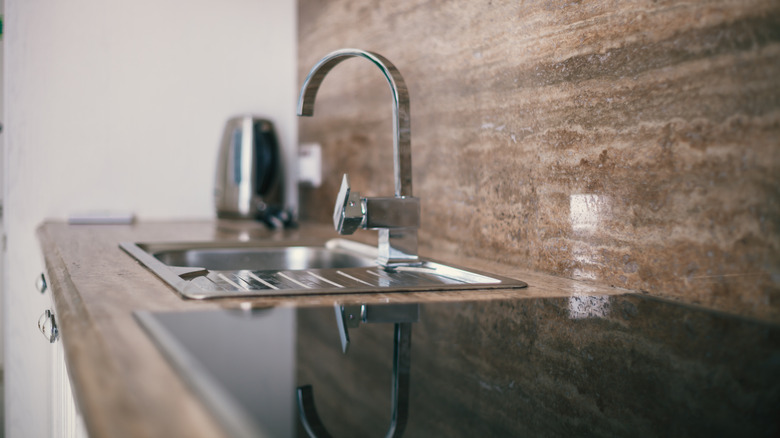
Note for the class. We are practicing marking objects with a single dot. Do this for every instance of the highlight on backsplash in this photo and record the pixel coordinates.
(586, 211)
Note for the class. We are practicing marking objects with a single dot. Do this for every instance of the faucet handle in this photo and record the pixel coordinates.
(349, 213)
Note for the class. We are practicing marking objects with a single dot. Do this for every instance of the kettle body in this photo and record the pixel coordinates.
(250, 171)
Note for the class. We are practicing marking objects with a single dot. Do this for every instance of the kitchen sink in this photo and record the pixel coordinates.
(203, 270)
(279, 258)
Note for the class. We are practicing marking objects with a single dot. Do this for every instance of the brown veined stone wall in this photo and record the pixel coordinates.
(635, 144)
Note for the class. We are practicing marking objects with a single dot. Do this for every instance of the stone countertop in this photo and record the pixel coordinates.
(559, 357)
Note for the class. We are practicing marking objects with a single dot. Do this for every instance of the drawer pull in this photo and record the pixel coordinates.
(48, 326)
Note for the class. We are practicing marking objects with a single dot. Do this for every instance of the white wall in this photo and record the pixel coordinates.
(119, 105)
(2, 172)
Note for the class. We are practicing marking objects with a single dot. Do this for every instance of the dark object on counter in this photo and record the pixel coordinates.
(275, 217)
(250, 173)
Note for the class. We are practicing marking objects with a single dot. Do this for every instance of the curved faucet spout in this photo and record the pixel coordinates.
(402, 149)
(398, 218)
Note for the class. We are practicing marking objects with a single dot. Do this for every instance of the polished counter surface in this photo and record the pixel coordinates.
(558, 358)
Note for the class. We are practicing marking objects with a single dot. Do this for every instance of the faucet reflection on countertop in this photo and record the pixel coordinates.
(350, 316)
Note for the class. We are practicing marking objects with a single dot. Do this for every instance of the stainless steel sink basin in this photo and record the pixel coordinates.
(279, 258)
(203, 270)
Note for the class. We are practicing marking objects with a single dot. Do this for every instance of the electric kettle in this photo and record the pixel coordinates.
(250, 172)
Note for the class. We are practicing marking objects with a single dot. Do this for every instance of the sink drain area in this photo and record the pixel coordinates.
(428, 277)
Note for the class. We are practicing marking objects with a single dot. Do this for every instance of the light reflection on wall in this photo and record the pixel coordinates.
(586, 212)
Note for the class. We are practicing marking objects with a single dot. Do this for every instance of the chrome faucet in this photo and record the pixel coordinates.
(397, 218)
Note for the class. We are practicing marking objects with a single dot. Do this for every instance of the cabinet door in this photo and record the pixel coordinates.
(66, 421)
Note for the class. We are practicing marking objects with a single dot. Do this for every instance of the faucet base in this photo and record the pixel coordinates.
(398, 247)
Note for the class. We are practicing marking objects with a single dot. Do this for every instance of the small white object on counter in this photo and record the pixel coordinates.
(101, 218)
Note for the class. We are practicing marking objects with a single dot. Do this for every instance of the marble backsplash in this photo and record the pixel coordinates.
(631, 144)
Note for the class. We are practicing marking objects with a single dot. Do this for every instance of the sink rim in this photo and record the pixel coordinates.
(197, 282)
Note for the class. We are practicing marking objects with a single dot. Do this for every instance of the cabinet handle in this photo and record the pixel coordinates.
(48, 326)
(40, 283)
